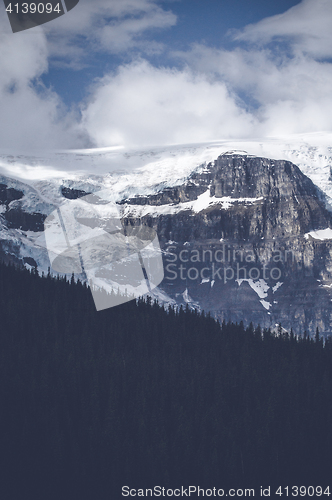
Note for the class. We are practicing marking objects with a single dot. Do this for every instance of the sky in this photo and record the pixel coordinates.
(157, 72)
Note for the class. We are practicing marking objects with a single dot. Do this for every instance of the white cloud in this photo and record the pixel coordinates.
(31, 117)
(141, 104)
(122, 34)
(287, 91)
(101, 25)
(307, 26)
(35, 117)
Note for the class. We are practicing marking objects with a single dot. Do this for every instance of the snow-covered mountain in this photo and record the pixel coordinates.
(180, 191)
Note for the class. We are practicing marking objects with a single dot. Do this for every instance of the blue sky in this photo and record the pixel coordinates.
(144, 72)
(197, 21)
(210, 20)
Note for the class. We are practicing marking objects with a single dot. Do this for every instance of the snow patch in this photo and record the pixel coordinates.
(260, 286)
(130, 172)
(320, 234)
(186, 296)
(276, 286)
(265, 304)
(203, 202)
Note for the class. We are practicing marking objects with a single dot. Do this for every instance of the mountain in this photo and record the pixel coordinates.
(239, 241)
(243, 236)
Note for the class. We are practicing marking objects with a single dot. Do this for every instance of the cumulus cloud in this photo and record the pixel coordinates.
(306, 26)
(266, 81)
(112, 27)
(252, 90)
(31, 116)
(141, 104)
(285, 90)
(257, 89)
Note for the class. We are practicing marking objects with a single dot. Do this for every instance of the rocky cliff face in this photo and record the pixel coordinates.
(245, 238)
(237, 242)
(246, 197)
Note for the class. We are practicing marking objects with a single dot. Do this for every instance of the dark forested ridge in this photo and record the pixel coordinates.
(140, 396)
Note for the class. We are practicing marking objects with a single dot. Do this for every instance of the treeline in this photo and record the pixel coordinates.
(141, 396)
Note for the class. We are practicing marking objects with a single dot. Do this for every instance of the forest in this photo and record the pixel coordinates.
(143, 395)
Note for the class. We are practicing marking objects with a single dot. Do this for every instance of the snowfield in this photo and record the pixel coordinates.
(118, 174)
(123, 173)
(128, 172)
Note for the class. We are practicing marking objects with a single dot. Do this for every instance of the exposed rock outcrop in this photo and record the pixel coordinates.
(245, 238)
(241, 252)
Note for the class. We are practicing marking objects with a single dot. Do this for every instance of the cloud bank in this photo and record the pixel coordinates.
(275, 81)
(142, 104)
(111, 27)
(31, 116)
(306, 27)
